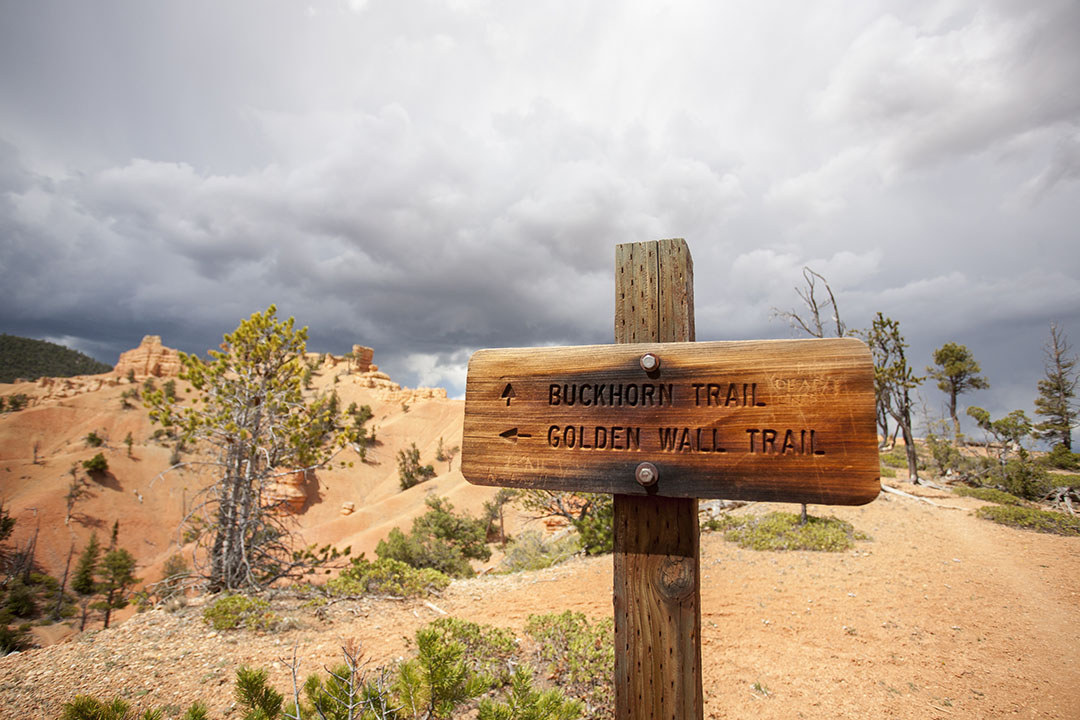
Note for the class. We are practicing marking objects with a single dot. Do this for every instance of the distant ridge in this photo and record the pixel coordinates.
(30, 359)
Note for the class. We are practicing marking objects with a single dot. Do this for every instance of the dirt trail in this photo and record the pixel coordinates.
(940, 615)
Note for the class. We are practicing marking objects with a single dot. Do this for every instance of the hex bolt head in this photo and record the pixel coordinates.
(647, 474)
(649, 362)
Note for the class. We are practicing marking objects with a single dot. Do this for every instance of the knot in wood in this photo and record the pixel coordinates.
(676, 577)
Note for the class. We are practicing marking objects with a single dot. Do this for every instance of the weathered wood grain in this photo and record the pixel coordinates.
(657, 590)
(781, 420)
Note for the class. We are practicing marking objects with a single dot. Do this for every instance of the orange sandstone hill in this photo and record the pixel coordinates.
(355, 505)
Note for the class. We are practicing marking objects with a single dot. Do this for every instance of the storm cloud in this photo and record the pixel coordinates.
(430, 178)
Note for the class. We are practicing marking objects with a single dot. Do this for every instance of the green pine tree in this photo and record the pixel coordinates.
(1057, 391)
(116, 575)
(84, 582)
(254, 417)
(956, 372)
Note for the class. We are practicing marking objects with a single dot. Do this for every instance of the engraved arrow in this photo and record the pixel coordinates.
(507, 393)
(512, 435)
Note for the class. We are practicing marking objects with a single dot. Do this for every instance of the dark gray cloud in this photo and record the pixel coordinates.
(430, 178)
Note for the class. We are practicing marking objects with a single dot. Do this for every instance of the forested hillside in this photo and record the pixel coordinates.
(27, 358)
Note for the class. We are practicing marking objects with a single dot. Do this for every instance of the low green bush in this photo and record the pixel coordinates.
(14, 638)
(443, 680)
(96, 464)
(1062, 458)
(1024, 478)
(489, 650)
(578, 657)
(529, 551)
(440, 539)
(895, 458)
(1044, 521)
(241, 611)
(782, 531)
(525, 702)
(988, 494)
(386, 576)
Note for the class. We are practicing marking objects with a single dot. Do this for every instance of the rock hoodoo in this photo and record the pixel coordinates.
(362, 357)
(150, 359)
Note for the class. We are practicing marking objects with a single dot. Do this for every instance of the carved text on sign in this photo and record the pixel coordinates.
(790, 420)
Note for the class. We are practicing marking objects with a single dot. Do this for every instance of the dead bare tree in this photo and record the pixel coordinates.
(810, 322)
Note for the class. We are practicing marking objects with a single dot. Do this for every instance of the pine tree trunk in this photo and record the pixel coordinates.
(955, 420)
(912, 455)
(109, 607)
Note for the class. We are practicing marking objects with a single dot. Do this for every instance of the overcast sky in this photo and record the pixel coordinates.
(431, 178)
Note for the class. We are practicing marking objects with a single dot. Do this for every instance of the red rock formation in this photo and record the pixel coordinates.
(362, 357)
(150, 359)
(289, 491)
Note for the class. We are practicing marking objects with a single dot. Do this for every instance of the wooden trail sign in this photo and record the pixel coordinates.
(660, 421)
(781, 420)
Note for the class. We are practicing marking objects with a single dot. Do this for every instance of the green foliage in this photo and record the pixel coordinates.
(489, 650)
(86, 569)
(169, 388)
(96, 464)
(126, 397)
(956, 372)
(893, 382)
(13, 403)
(240, 611)
(410, 471)
(1057, 391)
(894, 458)
(347, 692)
(387, 576)
(7, 523)
(1044, 521)
(596, 528)
(782, 531)
(579, 656)
(440, 539)
(197, 711)
(988, 494)
(85, 707)
(454, 664)
(253, 693)
(253, 414)
(1062, 458)
(362, 436)
(529, 551)
(591, 514)
(525, 702)
(93, 439)
(494, 511)
(446, 454)
(27, 358)
(946, 456)
(14, 639)
(20, 601)
(1025, 478)
(438, 680)
(1014, 470)
(116, 575)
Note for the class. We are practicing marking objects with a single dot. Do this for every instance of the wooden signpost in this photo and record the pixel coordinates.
(659, 421)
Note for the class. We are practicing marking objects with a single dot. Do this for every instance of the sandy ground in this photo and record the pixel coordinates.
(939, 615)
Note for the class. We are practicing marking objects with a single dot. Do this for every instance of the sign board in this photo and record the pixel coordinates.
(779, 420)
